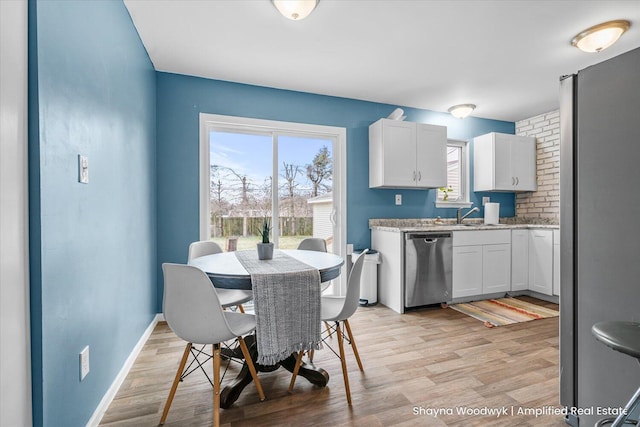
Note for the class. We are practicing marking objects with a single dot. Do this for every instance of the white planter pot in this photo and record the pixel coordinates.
(265, 251)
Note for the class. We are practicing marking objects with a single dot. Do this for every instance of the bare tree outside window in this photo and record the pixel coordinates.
(243, 180)
(290, 172)
(319, 170)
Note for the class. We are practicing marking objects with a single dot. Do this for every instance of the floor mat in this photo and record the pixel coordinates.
(504, 311)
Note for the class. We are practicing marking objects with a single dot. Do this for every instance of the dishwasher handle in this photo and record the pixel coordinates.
(427, 237)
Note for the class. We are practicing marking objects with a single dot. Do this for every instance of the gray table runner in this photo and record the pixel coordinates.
(286, 294)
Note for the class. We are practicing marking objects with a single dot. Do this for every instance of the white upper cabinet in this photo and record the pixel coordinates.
(407, 155)
(504, 162)
(431, 156)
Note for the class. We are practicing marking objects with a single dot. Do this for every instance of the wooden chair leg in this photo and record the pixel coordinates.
(310, 354)
(241, 308)
(343, 360)
(295, 371)
(252, 368)
(353, 344)
(326, 325)
(216, 385)
(176, 380)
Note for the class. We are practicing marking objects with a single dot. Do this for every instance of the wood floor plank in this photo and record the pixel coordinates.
(429, 359)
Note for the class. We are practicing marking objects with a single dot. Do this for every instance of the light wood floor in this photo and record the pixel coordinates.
(429, 359)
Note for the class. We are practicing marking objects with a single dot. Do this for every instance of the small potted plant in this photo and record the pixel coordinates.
(446, 191)
(265, 248)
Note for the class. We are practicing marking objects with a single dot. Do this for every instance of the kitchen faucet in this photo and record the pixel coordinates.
(460, 217)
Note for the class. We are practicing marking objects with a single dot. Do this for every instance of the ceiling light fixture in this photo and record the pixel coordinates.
(462, 110)
(295, 10)
(601, 36)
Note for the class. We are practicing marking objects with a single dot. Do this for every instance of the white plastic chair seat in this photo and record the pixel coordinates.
(231, 297)
(330, 308)
(240, 324)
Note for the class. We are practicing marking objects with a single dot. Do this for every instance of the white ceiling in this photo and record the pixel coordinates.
(504, 56)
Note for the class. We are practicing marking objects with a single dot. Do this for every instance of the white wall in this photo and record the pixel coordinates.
(15, 366)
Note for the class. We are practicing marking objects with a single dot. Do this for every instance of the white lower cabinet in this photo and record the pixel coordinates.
(541, 261)
(485, 262)
(519, 260)
(496, 268)
(467, 271)
(481, 262)
(390, 289)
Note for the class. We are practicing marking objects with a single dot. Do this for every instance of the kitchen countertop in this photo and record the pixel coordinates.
(431, 224)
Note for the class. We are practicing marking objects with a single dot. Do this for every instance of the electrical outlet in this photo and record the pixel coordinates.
(398, 199)
(485, 200)
(83, 169)
(349, 248)
(84, 362)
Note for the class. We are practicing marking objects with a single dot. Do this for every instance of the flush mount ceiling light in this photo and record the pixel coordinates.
(295, 10)
(462, 110)
(601, 36)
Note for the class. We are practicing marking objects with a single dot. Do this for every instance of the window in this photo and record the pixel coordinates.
(456, 193)
(244, 184)
(292, 173)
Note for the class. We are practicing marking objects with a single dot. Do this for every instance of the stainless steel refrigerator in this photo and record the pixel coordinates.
(600, 231)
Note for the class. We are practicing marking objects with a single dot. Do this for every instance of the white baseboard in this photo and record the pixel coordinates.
(95, 419)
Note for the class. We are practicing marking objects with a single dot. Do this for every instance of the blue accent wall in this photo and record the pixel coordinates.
(96, 249)
(92, 91)
(182, 98)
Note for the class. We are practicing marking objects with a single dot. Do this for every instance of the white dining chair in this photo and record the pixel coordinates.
(339, 310)
(228, 297)
(319, 245)
(313, 244)
(193, 312)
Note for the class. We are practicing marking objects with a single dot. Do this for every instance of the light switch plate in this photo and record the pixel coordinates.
(83, 169)
(398, 199)
(84, 362)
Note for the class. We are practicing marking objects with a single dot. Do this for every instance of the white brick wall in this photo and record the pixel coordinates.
(544, 203)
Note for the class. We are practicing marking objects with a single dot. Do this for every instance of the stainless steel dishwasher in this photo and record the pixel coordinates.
(428, 263)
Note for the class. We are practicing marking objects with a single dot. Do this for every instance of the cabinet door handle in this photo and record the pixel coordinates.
(517, 181)
(513, 181)
(414, 175)
(419, 176)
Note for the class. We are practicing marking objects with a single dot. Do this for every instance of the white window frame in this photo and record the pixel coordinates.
(214, 122)
(465, 187)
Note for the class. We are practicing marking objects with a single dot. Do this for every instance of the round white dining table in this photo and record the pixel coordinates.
(225, 271)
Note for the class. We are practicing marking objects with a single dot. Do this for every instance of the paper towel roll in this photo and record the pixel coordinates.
(397, 114)
(491, 213)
